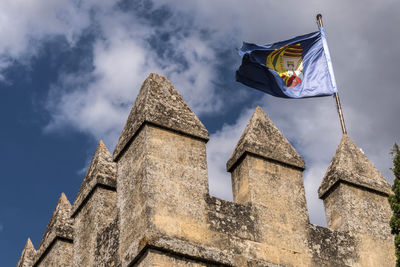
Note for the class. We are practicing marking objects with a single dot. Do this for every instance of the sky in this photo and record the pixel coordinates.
(70, 71)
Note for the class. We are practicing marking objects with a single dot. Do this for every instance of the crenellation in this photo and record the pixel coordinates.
(95, 205)
(268, 176)
(55, 248)
(262, 138)
(366, 215)
(101, 172)
(355, 198)
(159, 103)
(350, 165)
(148, 204)
(27, 255)
(160, 187)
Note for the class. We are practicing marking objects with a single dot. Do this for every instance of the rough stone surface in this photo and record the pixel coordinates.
(27, 256)
(177, 246)
(159, 103)
(162, 181)
(331, 248)
(262, 138)
(232, 218)
(107, 245)
(59, 255)
(156, 258)
(269, 177)
(365, 214)
(276, 192)
(57, 237)
(102, 171)
(349, 208)
(60, 223)
(355, 199)
(94, 206)
(351, 165)
(97, 212)
(160, 212)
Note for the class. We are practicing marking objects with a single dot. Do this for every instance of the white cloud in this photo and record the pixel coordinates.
(24, 24)
(195, 82)
(97, 100)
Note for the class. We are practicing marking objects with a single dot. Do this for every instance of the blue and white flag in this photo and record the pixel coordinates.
(296, 68)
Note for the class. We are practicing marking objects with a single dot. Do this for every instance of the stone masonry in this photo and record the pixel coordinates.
(148, 204)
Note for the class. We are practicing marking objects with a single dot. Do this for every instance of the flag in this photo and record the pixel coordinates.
(296, 68)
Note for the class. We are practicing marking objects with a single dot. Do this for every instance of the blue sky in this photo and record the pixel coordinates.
(70, 71)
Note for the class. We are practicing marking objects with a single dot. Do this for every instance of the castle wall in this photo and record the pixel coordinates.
(153, 258)
(149, 203)
(366, 214)
(162, 179)
(355, 209)
(277, 192)
(331, 248)
(355, 198)
(271, 186)
(107, 245)
(94, 215)
(60, 254)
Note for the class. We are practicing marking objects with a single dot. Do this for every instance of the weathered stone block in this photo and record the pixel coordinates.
(95, 205)
(162, 187)
(267, 173)
(355, 198)
(157, 258)
(59, 254)
(56, 248)
(28, 255)
(95, 215)
(107, 246)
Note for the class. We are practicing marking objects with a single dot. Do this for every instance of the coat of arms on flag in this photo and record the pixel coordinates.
(294, 68)
(288, 63)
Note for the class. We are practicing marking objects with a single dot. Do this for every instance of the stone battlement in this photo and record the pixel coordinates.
(148, 203)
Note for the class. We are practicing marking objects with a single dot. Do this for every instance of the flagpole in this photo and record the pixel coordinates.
(330, 67)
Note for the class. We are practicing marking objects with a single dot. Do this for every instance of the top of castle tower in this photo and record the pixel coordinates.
(262, 137)
(349, 164)
(29, 244)
(102, 170)
(27, 255)
(159, 103)
(60, 223)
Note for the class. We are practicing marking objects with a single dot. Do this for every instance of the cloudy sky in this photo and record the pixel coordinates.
(71, 69)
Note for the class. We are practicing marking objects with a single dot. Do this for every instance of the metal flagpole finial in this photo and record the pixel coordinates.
(319, 20)
(335, 95)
